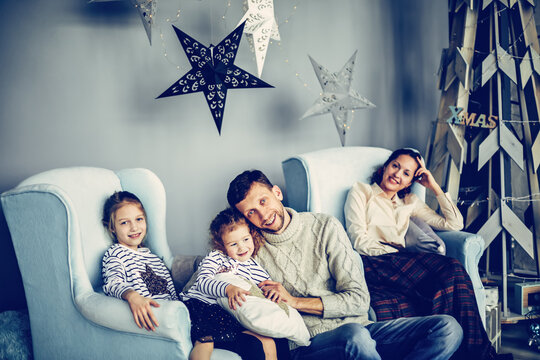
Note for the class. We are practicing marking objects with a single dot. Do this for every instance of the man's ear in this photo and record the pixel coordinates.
(277, 191)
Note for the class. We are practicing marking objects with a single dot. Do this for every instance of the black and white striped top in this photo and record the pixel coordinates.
(207, 289)
(123, 269)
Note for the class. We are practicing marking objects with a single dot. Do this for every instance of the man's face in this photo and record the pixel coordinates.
(263, 208)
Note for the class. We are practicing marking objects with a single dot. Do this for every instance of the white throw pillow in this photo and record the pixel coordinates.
(264, 316)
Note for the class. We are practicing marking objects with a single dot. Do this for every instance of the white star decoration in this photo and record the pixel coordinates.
(147, 10)
(261, 25)
(337, 96)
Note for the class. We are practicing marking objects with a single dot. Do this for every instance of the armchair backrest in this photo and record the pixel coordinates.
(319, 181)
(71, 201)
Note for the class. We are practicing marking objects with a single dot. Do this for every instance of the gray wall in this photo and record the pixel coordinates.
(79, 83)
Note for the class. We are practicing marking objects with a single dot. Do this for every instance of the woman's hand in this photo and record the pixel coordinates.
(141, 307)
(236, 295)
(275, 291)
(426, 179)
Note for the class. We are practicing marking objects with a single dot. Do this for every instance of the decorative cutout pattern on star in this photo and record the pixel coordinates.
(262, 26)
(337, 97)
(213, 72)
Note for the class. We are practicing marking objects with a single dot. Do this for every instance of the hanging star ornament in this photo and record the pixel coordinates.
(261, 25)
(213, 72)
(337, 96)
(147, 11)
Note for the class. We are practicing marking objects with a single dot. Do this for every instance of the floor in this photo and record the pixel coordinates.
(515, 338)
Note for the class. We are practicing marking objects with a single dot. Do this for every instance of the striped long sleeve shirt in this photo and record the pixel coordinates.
(207, 289)
(125, 269)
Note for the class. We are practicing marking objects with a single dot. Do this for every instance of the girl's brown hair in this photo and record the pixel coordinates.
(228, 220)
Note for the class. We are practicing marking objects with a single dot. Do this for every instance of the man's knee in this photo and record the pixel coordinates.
(356, 340)
(449, 330)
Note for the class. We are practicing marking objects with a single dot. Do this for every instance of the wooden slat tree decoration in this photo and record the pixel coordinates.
(485, 145)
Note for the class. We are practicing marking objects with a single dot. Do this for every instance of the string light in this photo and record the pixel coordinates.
(226, 9)
(507, 199)
(174, 20)
(534, 122)
(169, 20)
(286, 21)
(511, 48)
(512, 45)
(525, 198)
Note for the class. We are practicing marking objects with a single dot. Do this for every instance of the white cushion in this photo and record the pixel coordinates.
(264, 316)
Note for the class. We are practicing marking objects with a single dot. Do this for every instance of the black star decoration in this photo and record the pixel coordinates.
(213, 72)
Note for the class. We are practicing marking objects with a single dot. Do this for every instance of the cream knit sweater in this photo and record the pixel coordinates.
(313, 257)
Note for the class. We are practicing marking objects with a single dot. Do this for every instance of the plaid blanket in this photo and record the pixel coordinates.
(414, 284)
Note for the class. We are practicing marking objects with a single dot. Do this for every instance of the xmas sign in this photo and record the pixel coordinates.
(460, 117)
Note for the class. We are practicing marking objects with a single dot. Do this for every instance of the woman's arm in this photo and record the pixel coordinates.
(451, 219)
(357, 227)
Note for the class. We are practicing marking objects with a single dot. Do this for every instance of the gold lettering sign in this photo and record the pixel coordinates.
(460, 117)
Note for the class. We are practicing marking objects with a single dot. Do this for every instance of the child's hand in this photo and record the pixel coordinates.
(141, 307)
(236, 295)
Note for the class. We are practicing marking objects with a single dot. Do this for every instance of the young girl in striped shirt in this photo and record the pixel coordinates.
(130, 271)
(235, 243)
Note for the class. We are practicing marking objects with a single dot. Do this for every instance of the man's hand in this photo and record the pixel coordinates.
(236, 295)
(276, 292)
(141, 307)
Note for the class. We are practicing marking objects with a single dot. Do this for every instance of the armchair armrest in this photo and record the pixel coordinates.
(113, 313)
(468, 249)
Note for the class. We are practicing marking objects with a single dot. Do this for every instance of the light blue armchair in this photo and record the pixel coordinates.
(319, 181)
(54, 221)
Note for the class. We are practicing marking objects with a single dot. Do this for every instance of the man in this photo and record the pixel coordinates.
(316, 271)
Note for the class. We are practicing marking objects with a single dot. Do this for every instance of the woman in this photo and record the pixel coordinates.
(404, 283)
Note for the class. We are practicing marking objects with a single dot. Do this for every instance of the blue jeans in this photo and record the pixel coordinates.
(434, 337)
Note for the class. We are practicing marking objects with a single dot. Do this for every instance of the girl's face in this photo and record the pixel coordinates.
(238, 242)
(398, 175)
(130, 225)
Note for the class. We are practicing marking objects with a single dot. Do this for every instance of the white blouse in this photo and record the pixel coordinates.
(371, 218)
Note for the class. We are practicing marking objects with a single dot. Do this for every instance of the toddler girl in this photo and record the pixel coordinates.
(234, 243)
(130, 271)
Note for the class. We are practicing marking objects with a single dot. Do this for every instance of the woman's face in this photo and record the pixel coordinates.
(398, 174)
